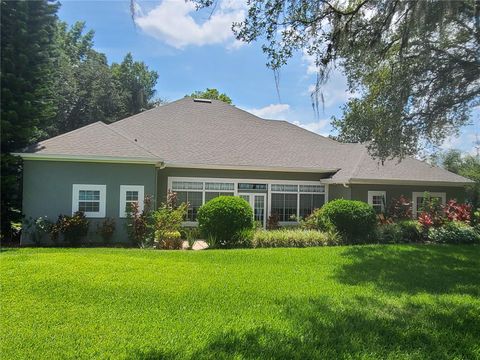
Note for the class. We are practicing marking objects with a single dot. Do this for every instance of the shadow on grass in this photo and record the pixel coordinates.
(414, 269)
(387, 324)
(355, 328)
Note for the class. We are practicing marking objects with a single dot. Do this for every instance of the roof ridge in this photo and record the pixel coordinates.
(130, 140)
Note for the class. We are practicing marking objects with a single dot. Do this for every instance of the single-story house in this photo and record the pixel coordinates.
(201, 149)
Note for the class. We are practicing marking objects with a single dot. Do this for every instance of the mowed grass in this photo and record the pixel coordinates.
(369, 302)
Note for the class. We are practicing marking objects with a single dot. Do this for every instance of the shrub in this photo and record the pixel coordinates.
(169, 240)
(244, 238)
(273, 222)
(168, 222)
(313, 221)
(400, 209)
(191, 234)
(389, 234)
(454, 232)
(73, 228)
(411, 230)
(140, 223)
(432, 213)
(457, 212)
(294, 238)
(354, 220)
(222, 217)
(38, 229)
(106, 229)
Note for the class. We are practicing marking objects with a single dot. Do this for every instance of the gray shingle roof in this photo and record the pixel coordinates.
(214, 134)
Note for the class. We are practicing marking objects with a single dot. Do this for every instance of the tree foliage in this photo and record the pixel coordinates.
(415, 65)
(53, 81)
(213, 94)
(27, 31)
(465, 165)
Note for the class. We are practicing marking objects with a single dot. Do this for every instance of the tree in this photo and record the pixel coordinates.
(213, 94)
(136, 83)
(27, 106)
(415, 64)
(467, 166)
(85, 88)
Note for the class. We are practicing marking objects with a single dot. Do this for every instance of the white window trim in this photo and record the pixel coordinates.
(123, 197)
(371, 194)
(235, 181)
(76, 198)
(416, 194)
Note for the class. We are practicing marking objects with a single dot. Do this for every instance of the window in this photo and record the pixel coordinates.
(310, 202)
(249, 186)
(284, 205)
(418, 197)
(89, 199)
(194, 199)
(130, 194)
(213, 194)
(196, 193)
(377, 199)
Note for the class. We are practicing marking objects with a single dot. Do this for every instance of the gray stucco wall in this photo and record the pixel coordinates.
(47, 188)
(360, 192)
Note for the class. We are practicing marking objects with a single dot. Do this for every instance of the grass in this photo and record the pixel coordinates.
(368, 302)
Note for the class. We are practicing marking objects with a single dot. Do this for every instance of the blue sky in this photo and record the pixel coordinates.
(192, 51)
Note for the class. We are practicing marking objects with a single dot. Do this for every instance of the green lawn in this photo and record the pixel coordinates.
(369, 302)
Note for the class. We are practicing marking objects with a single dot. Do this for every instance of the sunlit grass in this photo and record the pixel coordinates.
(398, 302)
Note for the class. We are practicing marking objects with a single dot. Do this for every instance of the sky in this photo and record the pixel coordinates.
(193, 50)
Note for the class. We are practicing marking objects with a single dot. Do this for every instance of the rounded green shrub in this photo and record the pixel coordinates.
(454, 232)
(223, 217)
(354, 220)
(411, 230)
(389, 234)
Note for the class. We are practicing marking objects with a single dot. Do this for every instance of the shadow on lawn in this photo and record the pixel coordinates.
(384, 325)
(414, 269)
(359, 327)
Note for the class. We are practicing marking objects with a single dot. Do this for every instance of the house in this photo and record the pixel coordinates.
(205, 148)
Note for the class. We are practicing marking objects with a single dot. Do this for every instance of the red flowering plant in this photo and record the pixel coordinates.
(400, 208)
(431, 212)
(455, 211)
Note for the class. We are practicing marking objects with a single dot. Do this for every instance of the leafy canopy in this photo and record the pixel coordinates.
(213, 94)
(415, 65)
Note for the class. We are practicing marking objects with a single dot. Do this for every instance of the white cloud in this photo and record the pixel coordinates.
(283, 112)
(272, 111)
(176, 23)
(315, 127)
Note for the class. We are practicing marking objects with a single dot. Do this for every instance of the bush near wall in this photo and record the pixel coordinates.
(223, 217)
(454, 232)
(354, 220)
(294, 238)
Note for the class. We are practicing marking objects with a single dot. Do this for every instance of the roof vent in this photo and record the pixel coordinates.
(207, 101)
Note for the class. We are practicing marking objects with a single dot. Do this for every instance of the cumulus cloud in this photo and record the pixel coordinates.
(177, 23)
(272, 111)
(316, 127)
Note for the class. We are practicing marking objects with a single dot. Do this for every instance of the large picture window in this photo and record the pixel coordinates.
(89, 199)
(290, 201)
(196, 193)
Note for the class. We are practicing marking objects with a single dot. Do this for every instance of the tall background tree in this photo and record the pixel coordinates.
(414, 64)
(212, 94)
(27, 106)
(465, 165)
(54, 81)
